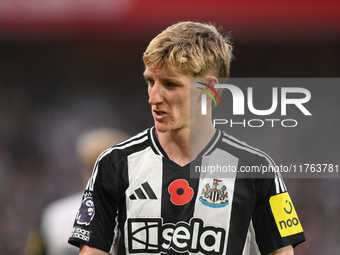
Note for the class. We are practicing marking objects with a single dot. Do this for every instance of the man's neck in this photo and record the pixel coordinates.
(183, 146)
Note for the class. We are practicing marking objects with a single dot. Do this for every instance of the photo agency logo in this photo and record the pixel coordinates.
(204, 97)
(244, 109)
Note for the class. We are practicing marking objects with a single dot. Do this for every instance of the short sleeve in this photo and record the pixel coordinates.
(95, 221)
(275, 221)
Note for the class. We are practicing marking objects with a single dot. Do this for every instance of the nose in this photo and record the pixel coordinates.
(155, 94)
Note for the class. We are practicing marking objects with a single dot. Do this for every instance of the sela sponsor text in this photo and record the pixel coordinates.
(150, 235)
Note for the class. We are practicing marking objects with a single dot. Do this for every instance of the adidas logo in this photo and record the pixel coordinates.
(143, 192)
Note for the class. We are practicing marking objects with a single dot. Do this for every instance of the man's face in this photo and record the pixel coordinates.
(169, 97)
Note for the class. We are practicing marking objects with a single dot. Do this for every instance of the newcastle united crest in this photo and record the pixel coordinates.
(215, 196)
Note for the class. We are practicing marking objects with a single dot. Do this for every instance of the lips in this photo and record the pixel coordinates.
(159, 115)
(159, 112)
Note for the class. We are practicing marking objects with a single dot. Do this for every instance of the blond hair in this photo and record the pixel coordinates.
(190, 48)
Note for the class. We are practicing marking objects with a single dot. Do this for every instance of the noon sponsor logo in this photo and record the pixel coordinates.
(285, 215)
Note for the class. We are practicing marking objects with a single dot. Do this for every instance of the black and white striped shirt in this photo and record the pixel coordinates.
(137, 196)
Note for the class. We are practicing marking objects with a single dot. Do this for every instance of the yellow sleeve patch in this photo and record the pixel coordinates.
(285, 215)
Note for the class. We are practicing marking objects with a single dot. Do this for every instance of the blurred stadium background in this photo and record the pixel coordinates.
(70, 66)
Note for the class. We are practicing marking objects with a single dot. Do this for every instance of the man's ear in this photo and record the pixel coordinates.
(212, 81)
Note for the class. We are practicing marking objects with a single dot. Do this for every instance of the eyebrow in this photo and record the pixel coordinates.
(165, 80)
(146, 76)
